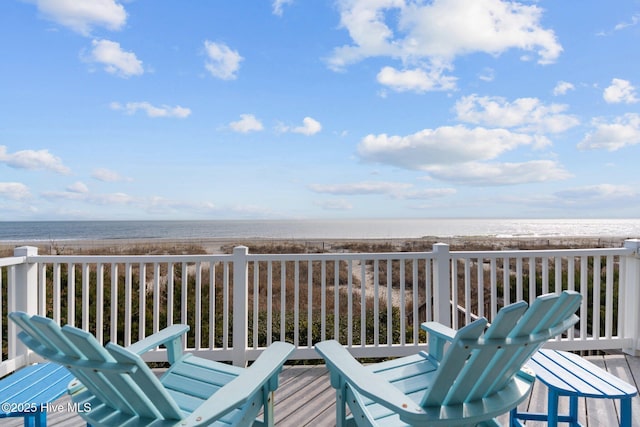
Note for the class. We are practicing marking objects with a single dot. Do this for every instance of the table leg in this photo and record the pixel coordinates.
(552, 404)
(625, 412)
(573, 411)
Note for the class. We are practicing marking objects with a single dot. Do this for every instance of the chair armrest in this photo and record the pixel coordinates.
(170, 336)
(263, 372)
(344, 368)
(438, 336)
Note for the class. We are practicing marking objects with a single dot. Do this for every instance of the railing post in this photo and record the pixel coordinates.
(240, 305)
(631, 317)
(22, 295)
(442, 284)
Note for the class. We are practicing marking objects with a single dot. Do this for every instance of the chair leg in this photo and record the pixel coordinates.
(268, 408)
(341, 407)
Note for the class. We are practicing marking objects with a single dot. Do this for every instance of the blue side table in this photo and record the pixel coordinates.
(567, 374)
(27, 392)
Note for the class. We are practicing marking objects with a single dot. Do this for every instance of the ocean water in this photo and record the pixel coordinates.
(317, 229)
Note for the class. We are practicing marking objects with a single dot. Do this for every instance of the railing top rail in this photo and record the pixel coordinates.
(122, 259)
(14, 260)
(515, 253)
(527, 253)
(343, 256)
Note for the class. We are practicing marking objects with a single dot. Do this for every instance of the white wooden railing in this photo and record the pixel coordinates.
(237, 304)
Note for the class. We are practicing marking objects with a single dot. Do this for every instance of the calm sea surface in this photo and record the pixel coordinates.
(317, 229)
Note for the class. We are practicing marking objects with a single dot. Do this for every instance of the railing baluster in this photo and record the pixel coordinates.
(376, 301)
(170, 292)
(480, 273)
(156, 297)
(225, 306)
(86, 309)
(350, 303)
(100, 302)
(596, 297)
(519, 279)
(256, 302)
(142, 299)
(56, 292)
(296, 303)
(323, 300)
(269, 302)
(584, 291)
(127, 305)
(114, 303)
(467, 290)
(494, 288)
(363, 302)
(212, 305)
(198, 306)
(283, 300)
(403, 321)
(71, 294)
(506, 281)
(336, 299)
(389, 303)
(532, 280)
(309, 303)
(609, 298)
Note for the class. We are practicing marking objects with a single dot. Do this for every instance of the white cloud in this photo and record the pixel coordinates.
(78, 187)
(624, 131)
(562, 88)
(96, 199)
(360, 188)
(14, 191)
(247, 123)
(222, 62)
(151, 110)
(635, 19)
(82, 15)
(416, 80)
(309, 127)
(597, 193)
(115, 60)
(484, 174)
(528, 114)
(444, 145)
(33, 160)
(279, 4)
(334, 205)
(107, 175)
(620, 91)
(397, 190)
(429, 193)
(430, 35)
(487, 75)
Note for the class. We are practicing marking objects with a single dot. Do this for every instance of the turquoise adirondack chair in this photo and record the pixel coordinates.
(114, 386)
(478, 376)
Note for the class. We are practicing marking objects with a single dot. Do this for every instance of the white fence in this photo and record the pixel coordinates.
(371, 302)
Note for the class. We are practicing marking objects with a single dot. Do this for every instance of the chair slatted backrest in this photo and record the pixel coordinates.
(476, 365)
(117, 377)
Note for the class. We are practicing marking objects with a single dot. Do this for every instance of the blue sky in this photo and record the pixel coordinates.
(235, 109)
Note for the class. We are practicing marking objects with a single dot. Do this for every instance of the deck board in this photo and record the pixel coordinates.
(305, 398)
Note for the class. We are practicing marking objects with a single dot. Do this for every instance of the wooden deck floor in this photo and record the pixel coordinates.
(305, 398)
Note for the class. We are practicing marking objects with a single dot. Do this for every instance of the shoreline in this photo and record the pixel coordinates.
(222, 245)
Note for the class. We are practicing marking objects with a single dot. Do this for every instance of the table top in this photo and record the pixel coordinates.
(572, 375)
(33, 387)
